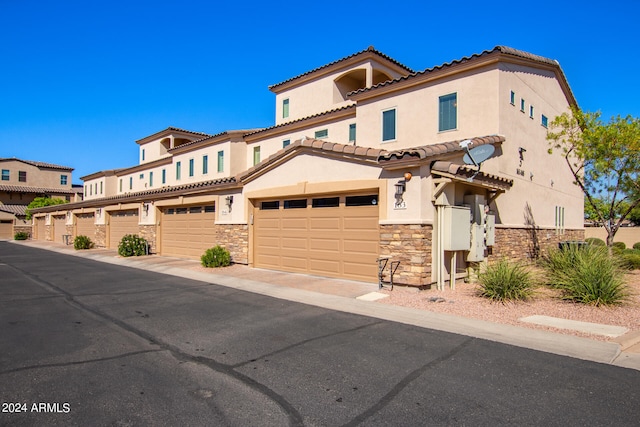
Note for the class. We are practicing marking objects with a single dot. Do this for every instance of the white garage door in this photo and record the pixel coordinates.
(187, 231)
(335, 236)
(122, 223)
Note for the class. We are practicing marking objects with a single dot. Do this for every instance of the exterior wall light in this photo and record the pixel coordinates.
(401, 187)
(229, 201)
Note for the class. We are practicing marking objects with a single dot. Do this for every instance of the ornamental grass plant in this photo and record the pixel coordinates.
(505, 281)
(587, 275)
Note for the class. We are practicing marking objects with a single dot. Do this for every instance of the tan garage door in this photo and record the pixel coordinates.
(41, 233)
(6, 229)
(122, 223)
(59, 228)
(187, 231)
(328, 236)
(85, 225)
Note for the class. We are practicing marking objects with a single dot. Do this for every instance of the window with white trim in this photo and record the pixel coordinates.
(285, 108)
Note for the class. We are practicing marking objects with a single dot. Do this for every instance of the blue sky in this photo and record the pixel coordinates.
(80, 81)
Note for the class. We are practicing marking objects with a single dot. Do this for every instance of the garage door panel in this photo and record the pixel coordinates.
(324, 244)
(59, 228)
(6, 229)
(85, 225)
(341, 241)
(187, 231)
(294, 244)
(298, 263)
(324, 223)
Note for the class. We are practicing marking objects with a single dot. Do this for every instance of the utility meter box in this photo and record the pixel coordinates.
(476, 252)
(490, 230)
(456, 228)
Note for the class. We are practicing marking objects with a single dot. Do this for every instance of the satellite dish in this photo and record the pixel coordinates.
(477, 155)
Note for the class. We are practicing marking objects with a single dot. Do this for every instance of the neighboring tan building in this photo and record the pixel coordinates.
(21, 181)
(438, 170)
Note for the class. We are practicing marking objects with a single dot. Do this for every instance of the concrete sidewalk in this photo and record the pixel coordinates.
(342, 295)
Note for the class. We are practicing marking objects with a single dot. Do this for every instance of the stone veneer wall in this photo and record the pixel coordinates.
(24, 229)
(411, 245)
(527, 243)
(235, 239)
(101, 236)
(149, 233)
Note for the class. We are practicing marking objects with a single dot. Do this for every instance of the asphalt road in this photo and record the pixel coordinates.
(87, 343)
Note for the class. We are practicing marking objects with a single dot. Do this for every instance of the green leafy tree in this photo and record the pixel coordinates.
(40, 202)
(604, 159)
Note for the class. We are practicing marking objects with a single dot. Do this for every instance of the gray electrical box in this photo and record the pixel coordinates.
(490, 224)
(476, 252)
(456, 223)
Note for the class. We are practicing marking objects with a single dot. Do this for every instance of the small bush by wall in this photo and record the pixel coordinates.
(636, 246)
(21, 235)
(132, 245)
(216, 257)
(595, 241)
(82, 242)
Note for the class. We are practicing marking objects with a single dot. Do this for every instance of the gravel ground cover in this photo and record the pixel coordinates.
(463, 301)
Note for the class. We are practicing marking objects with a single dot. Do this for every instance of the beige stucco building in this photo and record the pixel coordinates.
(367, 159)
(21, 181)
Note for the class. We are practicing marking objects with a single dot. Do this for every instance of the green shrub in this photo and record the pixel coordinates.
(586, 275)
(594, 241)
(636, 246)
(216, 257)
(21, 235)
(506, 281)
(82, 242)
(619, 245)
(132, 245)
(630, 259)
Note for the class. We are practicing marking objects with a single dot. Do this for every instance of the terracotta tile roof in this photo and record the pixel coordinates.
(149, 194)
(317, 145)
(498, 49)
(369, 49)
(283, 125)
(19, 210)
(38, 164)
(469, 174)
(172, 129)
(428, 151)
(25, 189)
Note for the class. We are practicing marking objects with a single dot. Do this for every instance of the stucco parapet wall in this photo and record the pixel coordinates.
(143, 196)
(497, 54)
(231, 135)
(368, 53)
(343, 151)
(338, 113)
